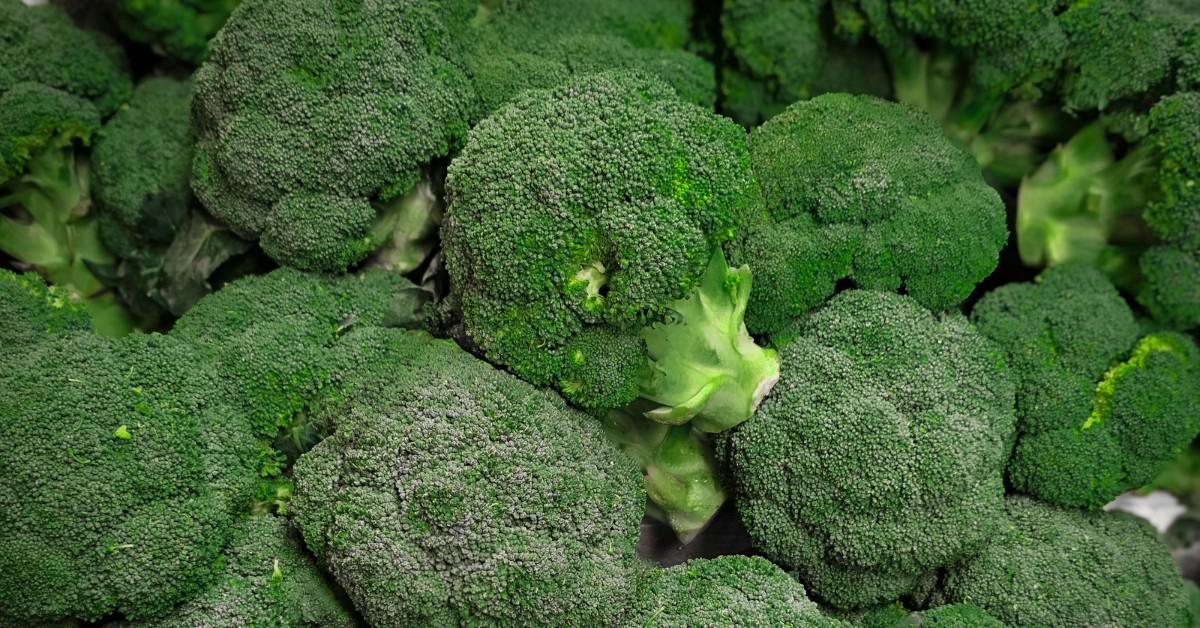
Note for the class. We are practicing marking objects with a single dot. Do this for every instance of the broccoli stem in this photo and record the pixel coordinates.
(46, 225)
(407, 226)
(681, 475)
(1084, 205)
(704, 366)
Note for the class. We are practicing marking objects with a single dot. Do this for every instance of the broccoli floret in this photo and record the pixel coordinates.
(167, 248)
(267, 580)
(1086, 205)
(1053, 567)
(861, 189)
(598, 270)
(452, 493)
(1121, 49)
(316, 119)
(175, 28)
(1171, 292)
(663, 24)
(726, 591)
(33, 311)
(947, 616)
(780, 53)
(1099, 410)
(879, 456)
(57, 83)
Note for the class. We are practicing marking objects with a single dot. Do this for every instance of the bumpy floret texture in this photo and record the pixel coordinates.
(452, 493)
(1175, 133)
(870, 191)
(40, 44)
(726, 591)
(1099, 409)
(880, 453)
(36, 118)
(175, 28)
(615, 216)
(661, 24)
(1171, 293)
(34, 312)
(267, 580)
(310, 114)
(142, 165)
(946, 616)
(1054, 567)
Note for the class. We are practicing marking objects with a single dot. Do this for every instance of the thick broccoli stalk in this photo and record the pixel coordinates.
(174, 28)
(879, 456)
(57, 84)
(317, 122)
(167, 248)
(267, 580)
(868, 191)
(743, 591)
(1052, 567)
(704, 366)
(1100, 410)
(1085, 204)
(682, 480)
(453, 493)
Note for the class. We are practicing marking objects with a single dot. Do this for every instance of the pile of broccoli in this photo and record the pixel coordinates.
(431, 312)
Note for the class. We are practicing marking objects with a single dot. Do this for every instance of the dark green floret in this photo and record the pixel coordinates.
(33, 312)
(175, 28)
(726, 591)
(615, 234)
(316, 120)
(452, 493)
(1100, 410)
(947, 616)
(1053, 567)
(879, 456)
(861, 189)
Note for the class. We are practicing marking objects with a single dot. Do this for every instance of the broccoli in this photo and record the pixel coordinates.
(861, 189)
(179, 29)
(318, 123)
(662, 24)
(1100, 410)
(33, 311)
(880, 454)
(779, 53)
(57, 85)
(1053, 567)
(167, 248)
(726, 591)
(1086, 205)
(947, 616)
(452, 493)
(598, 270)
(267, 580)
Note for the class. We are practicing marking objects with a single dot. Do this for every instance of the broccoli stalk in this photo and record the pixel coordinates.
(704, 366)
(681, 475)
(46, 225)
(407, 225)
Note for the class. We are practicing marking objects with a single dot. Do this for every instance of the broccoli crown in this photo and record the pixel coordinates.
(1120, 49)
(601, 237)
(1099, 411)
(121, 476)
(35, 118)
(859, 188)
(175, 28)
(40, 44)
(1175, 134)
(142, 164)
(33, 312)
(451, 493)
(310, 112)
(880, 453)
(267, 580)
(1171, 292)
(726, 591)
(1054, 567)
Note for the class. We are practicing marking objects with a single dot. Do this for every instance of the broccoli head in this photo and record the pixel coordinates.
(175, 28)
(880, 454)
(166, 248)
(267, 580)
(1171, 292)
(57, 83)
(598, 269)
(726, 591)
(317, 121)
(1054, 567)
(452, 493)
(1099, 410)
(33, 311)
(861, 189)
